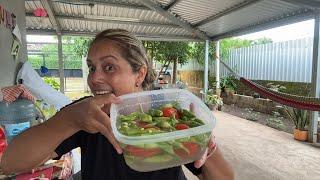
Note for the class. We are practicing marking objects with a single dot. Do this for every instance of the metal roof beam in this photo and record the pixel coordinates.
(47, 4)
(82, 18)
(173, 18)
(306, 3)
(171, 5)
(284, 20)
(106, 3)
(226, 12)
(155, 37)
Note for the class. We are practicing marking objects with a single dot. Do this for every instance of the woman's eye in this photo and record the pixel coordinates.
(109, 68)
(91, 68)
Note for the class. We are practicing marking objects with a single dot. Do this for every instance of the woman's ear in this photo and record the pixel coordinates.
(142, 74)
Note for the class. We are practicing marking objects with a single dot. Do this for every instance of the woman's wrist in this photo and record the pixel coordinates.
(66, 124)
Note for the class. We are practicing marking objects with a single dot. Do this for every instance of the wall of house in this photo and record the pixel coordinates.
(8, 65)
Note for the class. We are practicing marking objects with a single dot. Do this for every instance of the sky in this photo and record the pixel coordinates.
(284, 33)
(279, 34)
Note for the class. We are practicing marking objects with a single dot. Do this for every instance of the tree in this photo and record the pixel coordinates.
(198, 51)
(176, 52)
(263, 40)
(74, 48)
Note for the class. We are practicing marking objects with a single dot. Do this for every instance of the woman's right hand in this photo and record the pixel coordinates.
(88, 115)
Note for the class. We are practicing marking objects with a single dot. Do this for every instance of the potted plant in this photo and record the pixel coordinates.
(213, 101)
(214, 87)
(228, 84)
(300, 118)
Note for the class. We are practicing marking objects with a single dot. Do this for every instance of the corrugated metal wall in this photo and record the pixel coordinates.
(284, 61)
(289, 61)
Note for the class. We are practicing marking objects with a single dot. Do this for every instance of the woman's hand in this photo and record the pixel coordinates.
(213, 164)
(212, 146)
(88, 115)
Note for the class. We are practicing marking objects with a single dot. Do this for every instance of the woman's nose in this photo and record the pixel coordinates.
(96, 77)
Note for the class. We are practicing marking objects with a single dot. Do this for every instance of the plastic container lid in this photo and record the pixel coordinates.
(16, 111)
(150, 99)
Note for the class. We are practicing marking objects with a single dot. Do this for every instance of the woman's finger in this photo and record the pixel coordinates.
(108, 134)
(101, 100)
(201, 161)
(104, 119)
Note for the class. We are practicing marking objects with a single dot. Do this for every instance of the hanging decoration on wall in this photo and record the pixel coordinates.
(40, 12)
(1, 15)
(7, 19)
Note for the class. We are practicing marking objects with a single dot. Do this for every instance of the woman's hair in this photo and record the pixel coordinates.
(131, 49)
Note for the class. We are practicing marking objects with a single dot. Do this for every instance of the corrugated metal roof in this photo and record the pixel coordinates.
(194, 11)
(110, 11)
(180, 19)
(251, 15)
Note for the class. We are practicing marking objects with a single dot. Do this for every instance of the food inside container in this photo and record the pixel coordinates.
(161, 129)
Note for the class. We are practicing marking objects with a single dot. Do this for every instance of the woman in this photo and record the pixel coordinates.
(118, 65)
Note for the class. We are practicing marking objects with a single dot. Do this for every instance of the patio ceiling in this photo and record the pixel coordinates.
(167, 19)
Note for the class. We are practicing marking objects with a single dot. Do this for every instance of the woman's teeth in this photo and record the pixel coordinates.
(102, 92)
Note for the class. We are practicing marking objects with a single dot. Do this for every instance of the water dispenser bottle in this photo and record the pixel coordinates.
(17, 116)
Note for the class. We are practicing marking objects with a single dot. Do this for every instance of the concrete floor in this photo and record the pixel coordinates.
(258, 152)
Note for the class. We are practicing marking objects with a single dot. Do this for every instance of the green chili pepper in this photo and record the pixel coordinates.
(187, 114)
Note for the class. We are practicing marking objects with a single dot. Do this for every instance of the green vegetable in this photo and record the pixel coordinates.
(159, 119)
(145, 118)
(187, 113)
(158, 159)
(126, 118)
(155, 113)
(176, 105)
(164, 124)
(166, 147)
(133, 131)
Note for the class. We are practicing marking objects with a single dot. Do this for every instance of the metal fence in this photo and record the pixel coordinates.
(283, 61)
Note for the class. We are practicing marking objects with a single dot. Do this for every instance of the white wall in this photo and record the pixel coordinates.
(9, 66)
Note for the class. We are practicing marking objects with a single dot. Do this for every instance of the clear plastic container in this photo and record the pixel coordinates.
(165, 150)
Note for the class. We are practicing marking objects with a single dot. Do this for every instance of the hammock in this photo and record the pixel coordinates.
(300, 102)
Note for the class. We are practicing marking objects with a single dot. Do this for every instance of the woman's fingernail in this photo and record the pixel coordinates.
(119, 150)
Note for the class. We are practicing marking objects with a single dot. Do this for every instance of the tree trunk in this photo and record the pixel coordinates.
(174, 74)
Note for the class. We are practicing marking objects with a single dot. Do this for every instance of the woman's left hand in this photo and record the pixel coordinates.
(209, 151)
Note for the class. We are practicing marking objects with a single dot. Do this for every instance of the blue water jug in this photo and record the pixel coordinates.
(17, 116)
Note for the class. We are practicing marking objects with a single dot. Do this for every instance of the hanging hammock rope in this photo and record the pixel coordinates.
(300, 102)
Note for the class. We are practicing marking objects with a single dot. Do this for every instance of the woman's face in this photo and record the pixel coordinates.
(109, 72)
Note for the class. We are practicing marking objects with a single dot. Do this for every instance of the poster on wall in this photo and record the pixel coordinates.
(15, 48)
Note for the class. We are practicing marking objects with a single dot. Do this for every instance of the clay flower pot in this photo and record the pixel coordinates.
(300, 135)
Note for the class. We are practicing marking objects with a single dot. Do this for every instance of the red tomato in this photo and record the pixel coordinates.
(170, 112)
(192, 147)
(142, 152)
(181, 126)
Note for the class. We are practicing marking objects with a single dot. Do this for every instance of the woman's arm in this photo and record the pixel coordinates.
(216, 167)
(36, 145)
